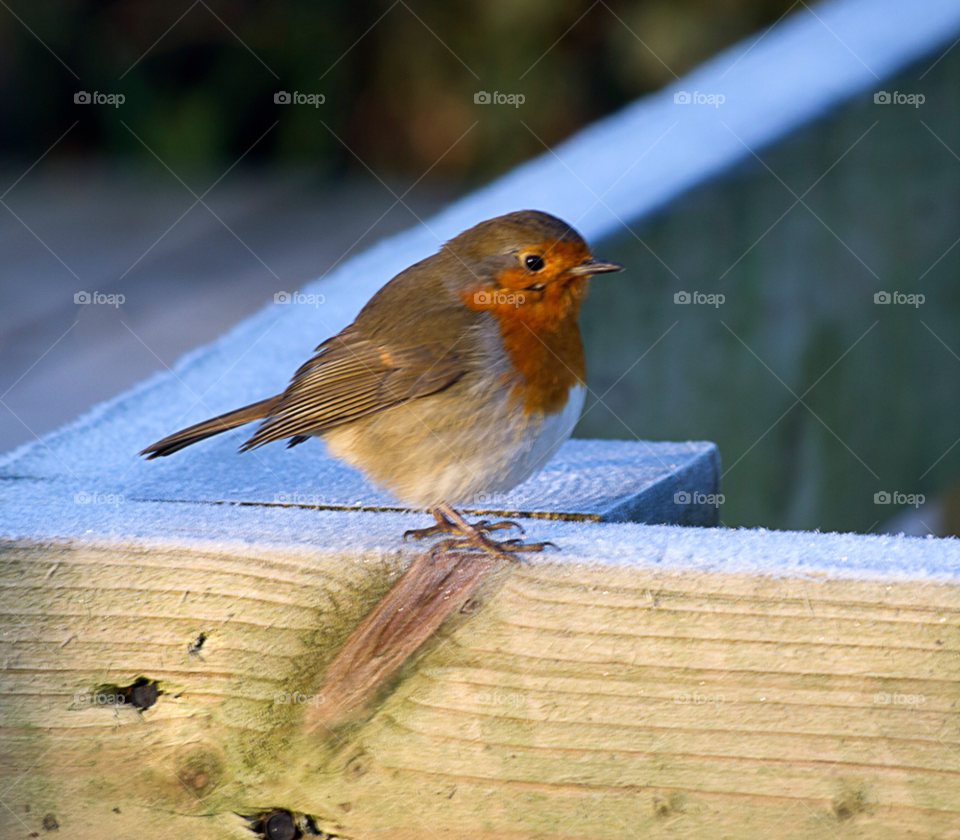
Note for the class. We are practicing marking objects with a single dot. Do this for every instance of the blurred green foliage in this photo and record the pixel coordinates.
(399, 77)
(878, 382)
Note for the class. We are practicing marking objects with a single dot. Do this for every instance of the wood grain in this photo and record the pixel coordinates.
(570, 700)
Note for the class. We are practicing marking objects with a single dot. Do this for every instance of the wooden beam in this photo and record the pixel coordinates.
(570, 699)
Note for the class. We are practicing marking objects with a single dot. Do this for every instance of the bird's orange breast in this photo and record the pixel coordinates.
(541, 339)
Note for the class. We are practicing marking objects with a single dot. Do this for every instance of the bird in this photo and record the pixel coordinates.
(461, 376)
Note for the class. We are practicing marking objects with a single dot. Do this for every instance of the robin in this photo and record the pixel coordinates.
(461, 376)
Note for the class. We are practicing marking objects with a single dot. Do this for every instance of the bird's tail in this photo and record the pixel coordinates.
(209, 428)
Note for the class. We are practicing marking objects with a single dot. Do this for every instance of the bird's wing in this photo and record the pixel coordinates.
(351, 377)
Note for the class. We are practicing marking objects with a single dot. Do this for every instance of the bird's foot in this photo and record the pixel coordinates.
(447, 526)
(465, 535)
(504, 550)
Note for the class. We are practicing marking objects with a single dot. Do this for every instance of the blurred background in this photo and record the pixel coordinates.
(185, 187)
(398, 78)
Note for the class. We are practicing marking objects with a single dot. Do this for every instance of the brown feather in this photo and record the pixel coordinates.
(209, 428)
(351, 377)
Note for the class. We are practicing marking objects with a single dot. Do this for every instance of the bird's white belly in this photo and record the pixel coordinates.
(537, 443)
(426, 453)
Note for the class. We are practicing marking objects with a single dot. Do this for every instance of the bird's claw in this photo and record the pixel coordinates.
(505, 550)
(518, 545)
(423, 533)
(485, 525)
(464, 536)
(468, 544)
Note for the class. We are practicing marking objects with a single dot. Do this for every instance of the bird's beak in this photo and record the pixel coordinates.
(596, 266)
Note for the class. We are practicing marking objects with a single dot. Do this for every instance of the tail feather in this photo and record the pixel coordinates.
(209, 428)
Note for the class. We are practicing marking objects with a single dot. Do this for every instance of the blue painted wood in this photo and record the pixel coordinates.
(641, 481)
(600, 480)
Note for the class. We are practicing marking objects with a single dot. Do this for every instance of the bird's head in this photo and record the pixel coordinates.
(526, 265)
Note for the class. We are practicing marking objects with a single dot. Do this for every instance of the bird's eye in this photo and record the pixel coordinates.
(533, 262)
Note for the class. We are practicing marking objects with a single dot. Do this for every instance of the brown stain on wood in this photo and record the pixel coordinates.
(428, 592)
